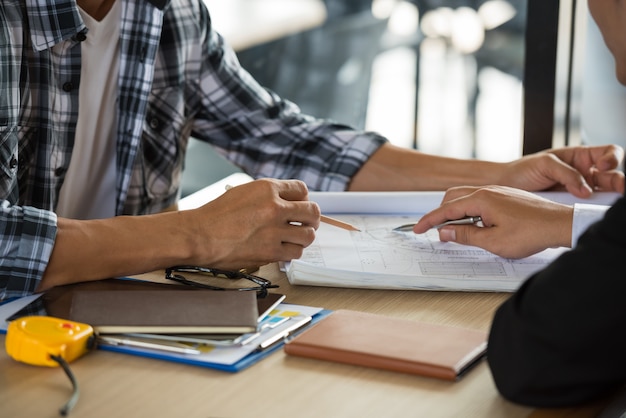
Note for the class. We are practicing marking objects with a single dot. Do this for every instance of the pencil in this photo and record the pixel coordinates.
(338, 223)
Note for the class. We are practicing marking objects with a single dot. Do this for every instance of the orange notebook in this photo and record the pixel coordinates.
(401, 345)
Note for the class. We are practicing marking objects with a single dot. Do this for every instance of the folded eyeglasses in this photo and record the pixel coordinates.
(216, 279)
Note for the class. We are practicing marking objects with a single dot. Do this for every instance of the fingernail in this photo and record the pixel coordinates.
(447, 234)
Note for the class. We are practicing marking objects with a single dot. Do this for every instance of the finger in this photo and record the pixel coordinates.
(428, 221)
(610, 181)
(300, 235)
(569, 177)
(281, 244)
(304, 213)
(468, 235)
(290, 243)
(488, 238)
(291, 251)
(455, 209)
(608, 157)
(293, 190)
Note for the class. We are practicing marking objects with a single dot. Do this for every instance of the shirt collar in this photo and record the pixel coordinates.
(160, 4)
(52, 21)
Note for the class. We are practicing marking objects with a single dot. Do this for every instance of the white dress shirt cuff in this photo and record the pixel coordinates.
(584, 215)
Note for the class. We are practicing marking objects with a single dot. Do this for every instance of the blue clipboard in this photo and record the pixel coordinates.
(191, 359)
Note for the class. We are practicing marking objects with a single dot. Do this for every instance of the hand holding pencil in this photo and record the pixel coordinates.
(246, 225)
(327, 219)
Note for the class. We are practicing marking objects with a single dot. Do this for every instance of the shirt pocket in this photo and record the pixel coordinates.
(165, 136)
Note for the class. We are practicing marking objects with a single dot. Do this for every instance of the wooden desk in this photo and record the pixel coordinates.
(114, 384)
(246, 23)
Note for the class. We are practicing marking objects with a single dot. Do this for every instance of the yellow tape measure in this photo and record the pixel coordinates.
(34, 339)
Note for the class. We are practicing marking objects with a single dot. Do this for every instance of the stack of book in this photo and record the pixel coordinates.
(227, 330)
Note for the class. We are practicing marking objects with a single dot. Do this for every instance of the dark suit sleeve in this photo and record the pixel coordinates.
(561, 338)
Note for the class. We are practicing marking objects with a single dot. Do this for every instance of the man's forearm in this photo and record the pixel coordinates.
(125, 245)
(395, 168)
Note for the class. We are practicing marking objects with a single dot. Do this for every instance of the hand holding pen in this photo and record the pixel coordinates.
(515, 223)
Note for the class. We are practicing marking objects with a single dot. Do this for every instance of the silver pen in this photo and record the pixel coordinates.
(463, 221)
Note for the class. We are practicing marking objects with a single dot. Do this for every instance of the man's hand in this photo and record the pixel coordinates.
(255, 224)
(516, 223)
(581, 170)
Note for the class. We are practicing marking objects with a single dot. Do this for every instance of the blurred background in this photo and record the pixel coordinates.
(488, 79)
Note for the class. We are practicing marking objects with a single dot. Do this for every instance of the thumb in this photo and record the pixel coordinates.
(487, 238)
(465, 235)
(482, 237)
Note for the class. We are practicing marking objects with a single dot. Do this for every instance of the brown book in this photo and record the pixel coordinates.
(382, 342)
(58, 300)
(165, 311)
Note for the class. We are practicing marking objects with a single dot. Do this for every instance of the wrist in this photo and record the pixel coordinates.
(191, 239)
(564, 233)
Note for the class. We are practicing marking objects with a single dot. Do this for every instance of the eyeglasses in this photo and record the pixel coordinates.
(234, 278)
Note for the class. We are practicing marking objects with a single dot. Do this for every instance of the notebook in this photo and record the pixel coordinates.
(58, 300)
(165, 311)
(401, 345)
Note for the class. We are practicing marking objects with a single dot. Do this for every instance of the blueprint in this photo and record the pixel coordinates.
(378, 257)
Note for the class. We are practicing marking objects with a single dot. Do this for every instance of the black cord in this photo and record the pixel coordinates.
(75, 391)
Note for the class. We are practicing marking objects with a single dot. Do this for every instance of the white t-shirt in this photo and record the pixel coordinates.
(88, 191)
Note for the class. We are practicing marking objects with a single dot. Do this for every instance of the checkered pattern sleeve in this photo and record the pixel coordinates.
(27, 235)
(268, 136)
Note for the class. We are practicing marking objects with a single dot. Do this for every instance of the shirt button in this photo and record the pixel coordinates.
(154, 123)
(80, 36)
(68, 86)
(59, 171)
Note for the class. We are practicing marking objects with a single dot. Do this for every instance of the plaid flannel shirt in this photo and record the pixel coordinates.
(177, 78)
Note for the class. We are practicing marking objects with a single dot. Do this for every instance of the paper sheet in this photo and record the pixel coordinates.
(378, 257)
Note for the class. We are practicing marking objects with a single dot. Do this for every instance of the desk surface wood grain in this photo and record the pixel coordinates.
(114, 384)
